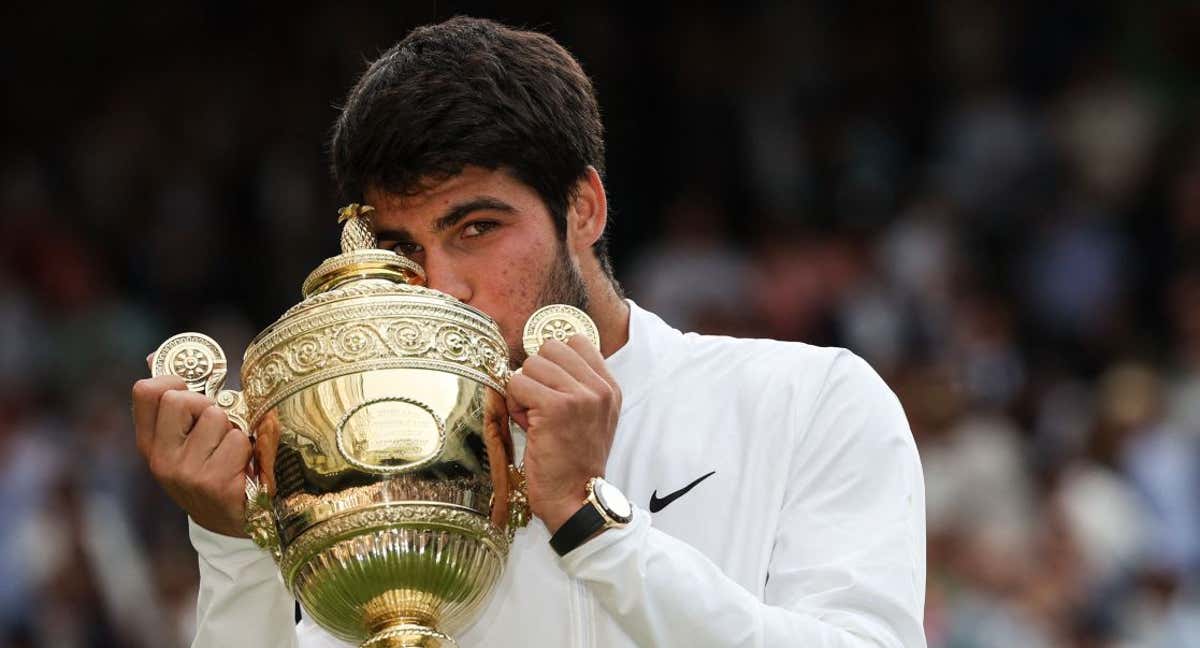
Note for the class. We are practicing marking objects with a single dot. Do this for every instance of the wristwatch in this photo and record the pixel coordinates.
(605, 508)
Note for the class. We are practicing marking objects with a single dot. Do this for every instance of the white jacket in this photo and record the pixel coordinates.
(810, 533)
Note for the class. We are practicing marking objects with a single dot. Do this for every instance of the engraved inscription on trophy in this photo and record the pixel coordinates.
(387, 435)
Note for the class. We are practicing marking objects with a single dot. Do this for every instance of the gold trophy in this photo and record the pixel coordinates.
(385, 476)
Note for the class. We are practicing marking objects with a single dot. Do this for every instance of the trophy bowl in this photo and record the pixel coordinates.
(384, 471)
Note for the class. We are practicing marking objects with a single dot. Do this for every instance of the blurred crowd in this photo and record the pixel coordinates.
(996, 204)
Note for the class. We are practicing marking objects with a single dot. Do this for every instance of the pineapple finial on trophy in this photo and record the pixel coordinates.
(360, 257)
(356, 233)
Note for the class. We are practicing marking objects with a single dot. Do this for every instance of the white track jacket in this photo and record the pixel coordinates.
(810, 531)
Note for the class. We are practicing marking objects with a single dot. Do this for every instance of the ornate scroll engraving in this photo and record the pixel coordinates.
(360, 521)
(383, 334)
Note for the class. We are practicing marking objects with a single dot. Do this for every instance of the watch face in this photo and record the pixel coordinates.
(613, 500)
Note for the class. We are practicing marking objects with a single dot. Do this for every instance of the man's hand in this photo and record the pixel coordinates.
(568, 404)
(194, 452)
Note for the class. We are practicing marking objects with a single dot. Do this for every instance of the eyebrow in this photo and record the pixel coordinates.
(451, 218)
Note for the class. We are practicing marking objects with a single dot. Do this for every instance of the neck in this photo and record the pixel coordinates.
(608, 311)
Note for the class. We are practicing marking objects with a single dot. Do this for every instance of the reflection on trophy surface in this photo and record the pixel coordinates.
(386, 484)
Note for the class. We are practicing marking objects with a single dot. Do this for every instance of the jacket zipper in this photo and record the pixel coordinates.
(581, 615)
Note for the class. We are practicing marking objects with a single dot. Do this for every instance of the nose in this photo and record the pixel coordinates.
(443, 275)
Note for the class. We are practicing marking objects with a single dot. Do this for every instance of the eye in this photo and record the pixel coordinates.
(407, 248)
(478, 228)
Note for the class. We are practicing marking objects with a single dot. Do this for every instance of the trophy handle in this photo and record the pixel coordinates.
(518, 500)
(200, 362)
(260, 520)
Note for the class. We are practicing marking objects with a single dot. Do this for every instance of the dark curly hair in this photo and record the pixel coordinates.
(471, 92)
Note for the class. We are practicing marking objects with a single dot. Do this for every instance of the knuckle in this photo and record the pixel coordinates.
(144, 390)
(576, 401)
(214, 487)
(162, 469)
(188, 480)
(173, 399)
(518, 381)
(213, 414)
(605, 395)
(240, 441)
(587, 399)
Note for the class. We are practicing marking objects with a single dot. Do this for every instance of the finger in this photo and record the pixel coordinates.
(607, 384)
(232, 454)
(529, 393)
(178, 411)
(206, 435)
(150, 361)
(146, 395)
(591, 355)
(517, 412)
(570, 360)
(548, 373)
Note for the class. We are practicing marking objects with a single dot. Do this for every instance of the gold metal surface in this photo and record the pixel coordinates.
(557, 322)
(386, 483)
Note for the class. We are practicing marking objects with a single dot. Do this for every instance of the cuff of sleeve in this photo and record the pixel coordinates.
(224, 553)
(577, 561)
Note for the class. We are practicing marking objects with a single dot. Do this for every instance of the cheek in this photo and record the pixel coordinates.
(512, 286)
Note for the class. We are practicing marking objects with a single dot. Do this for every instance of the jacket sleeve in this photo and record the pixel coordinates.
(242, 599)
(848, 564)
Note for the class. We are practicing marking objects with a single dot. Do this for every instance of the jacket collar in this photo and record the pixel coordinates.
(651, 351)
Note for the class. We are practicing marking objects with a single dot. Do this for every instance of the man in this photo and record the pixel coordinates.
(785, 498)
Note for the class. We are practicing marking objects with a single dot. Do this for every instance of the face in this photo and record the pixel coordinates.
(487, 240)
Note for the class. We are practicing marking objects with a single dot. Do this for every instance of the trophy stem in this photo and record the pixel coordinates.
(409, 635)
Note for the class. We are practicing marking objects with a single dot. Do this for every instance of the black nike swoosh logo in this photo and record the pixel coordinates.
(657, 504)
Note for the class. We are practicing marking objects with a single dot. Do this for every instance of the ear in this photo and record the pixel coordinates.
(587, 214)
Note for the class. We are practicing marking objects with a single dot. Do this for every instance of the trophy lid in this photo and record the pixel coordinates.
(360, 258)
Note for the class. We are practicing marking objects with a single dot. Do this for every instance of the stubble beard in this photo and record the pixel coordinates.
(564, 285)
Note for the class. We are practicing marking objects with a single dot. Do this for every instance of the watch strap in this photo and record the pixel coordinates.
(577, 529)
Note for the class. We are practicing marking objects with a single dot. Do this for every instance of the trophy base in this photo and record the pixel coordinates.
(409, 635)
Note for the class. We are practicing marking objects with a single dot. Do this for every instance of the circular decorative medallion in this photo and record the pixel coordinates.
(195, 357)
(558, 322)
